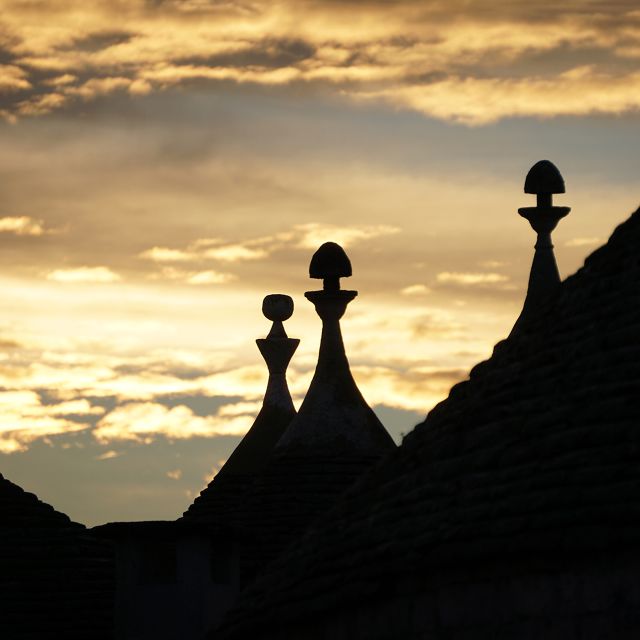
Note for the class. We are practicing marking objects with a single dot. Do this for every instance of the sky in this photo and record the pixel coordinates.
(165, 164)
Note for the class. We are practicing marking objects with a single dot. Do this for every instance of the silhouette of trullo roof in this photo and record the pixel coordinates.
(332, 441)
(56, 581)
(529, 468)
(223, 499)
(334, 417)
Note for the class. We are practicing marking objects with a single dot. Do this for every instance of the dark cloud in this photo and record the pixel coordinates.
(430, 326)
(201, 405)
(99, 40)
(269, 52)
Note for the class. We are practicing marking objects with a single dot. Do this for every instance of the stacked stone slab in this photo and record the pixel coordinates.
(56, 580)
(512, 511)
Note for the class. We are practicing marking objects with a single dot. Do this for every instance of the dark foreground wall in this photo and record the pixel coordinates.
(589, 598)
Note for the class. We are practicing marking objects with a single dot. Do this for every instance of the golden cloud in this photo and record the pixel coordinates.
(13, 78)
(583, 242)
(22, 226)
(210, 277)
(164, 254)
(40, 105)
(478, 101)
(470, 279)
(417, 389)
(304, 236)
(84, 275)
(458, 64)
(235, 253)
(415, 290)
(98, 87)
(24, 418)
(312, 235)
(144, 421)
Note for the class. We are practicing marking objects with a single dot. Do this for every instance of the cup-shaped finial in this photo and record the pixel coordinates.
(277, 307)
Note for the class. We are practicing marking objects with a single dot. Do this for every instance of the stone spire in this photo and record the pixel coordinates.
(277, 411)
(334, 417)
(544, 180)
(224, 498)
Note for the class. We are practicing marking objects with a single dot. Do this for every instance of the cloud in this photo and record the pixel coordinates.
(415, 290)
(302, 237)
(164, 254)
(235, 253)
(470, 279)
(208, 249)
(97, 87)
(108, 455)
(458, 64)
(481, 101)
(13, 78)
(84, 274)
(493, 264)
(22, 226)
(24, 418)
(432, 325)
(209, 277)
(40, 105)
(312, 235)
(60, 81)
(416, 389)
(583, 242)
(144, 421)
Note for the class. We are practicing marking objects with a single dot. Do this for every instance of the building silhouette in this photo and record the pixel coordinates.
(510, 512)
(56, 580)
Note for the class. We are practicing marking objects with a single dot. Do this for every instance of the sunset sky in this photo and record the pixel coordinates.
(166, 164)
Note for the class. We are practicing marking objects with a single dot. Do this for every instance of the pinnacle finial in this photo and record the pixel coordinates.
(330, 263)
(334, 419)
(544, 180)
(277, 307)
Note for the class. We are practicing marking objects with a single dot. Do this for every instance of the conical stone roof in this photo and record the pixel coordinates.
(513, 509)
(223, 500)
(332, 441)
(56, 580)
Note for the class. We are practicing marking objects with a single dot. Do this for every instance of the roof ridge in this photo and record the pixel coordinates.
(20, 507)
(595, 260)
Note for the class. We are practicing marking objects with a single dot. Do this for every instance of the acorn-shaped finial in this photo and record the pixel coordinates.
(330, 263)
(277, 307)
(544, 179)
